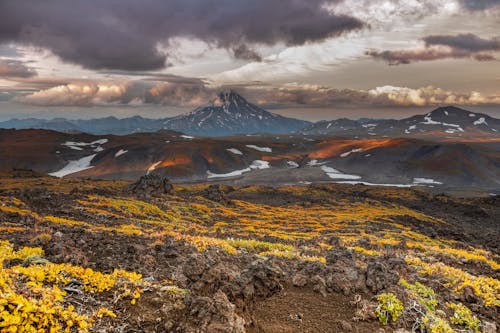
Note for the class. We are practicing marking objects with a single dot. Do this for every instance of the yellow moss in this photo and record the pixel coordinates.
(293, 255)
(487, 288)
(434, 324)
(389, 308)
(365, 251)
(11, 229)
(425, 296)
(257, 246)
(463, 316)
(32, 298)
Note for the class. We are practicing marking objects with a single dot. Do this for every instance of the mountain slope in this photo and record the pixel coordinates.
(442, 122)
(108, 125)
(255, 159)
(232, 114)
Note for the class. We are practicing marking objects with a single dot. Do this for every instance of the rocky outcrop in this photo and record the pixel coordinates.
(214, 314)
(217, 193)
(151, 185)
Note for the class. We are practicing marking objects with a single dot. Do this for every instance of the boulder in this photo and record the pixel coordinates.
(380, 277)
(151, 185)
(217, 193)
(214, 315)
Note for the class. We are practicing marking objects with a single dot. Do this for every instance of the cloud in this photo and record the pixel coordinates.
(465, 42)
(169, 90)
(127, 34)
(15, 69)
(385, 96)
(244, 53)
(79, 94)
(441, 47)
(190, 94)
(475, 5)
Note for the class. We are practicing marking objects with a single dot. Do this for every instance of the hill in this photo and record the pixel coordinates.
(256, 159)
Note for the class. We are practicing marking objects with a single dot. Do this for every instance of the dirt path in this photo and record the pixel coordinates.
(303, 310)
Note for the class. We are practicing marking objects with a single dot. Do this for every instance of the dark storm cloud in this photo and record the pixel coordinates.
(442, 47)
(475, 5)
(15, 69)
(466, 42)
(125, 34)
(244, 53)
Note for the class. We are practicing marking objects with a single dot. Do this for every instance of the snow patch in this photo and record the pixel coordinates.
(480, 121)
(262, 149)
(121, 152)
(357, 150)
(472, 115)
(256, 165)
(425, 181)
(234, 151)
(314, 163)
(94, 144)
(153, 167)
(75, 166)
(188, 137)
(336, 174)
(429, 121)
(259, 164)
(292, 164)
(353, 182)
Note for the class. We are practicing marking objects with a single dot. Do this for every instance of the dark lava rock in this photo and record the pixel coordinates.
(215, 315)
(380, 277)
(217, 193)
(260, 280)
(151, 185)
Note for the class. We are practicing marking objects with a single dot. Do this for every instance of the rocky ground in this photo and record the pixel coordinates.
(216, 258)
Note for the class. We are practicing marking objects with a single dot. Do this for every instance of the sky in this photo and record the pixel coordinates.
(309, 59)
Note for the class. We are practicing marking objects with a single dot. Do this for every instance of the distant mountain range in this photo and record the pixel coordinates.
(231, 114)
(442, 122)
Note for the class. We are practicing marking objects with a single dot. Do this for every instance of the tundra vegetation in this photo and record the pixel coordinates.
(54, 277)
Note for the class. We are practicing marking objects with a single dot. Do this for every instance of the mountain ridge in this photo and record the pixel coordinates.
(443, 121)
(231, 114)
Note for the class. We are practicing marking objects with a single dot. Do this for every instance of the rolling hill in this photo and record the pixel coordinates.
(256, 159)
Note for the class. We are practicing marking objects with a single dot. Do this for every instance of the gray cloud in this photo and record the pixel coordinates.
(244, 53)
(125, 34)
(442, 47)
(475, 5)
(466, 42)
(15, 69)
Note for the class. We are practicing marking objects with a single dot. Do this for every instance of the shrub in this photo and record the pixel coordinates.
(389, 307)
(435, 324)
(424, 295)
(463, 316)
